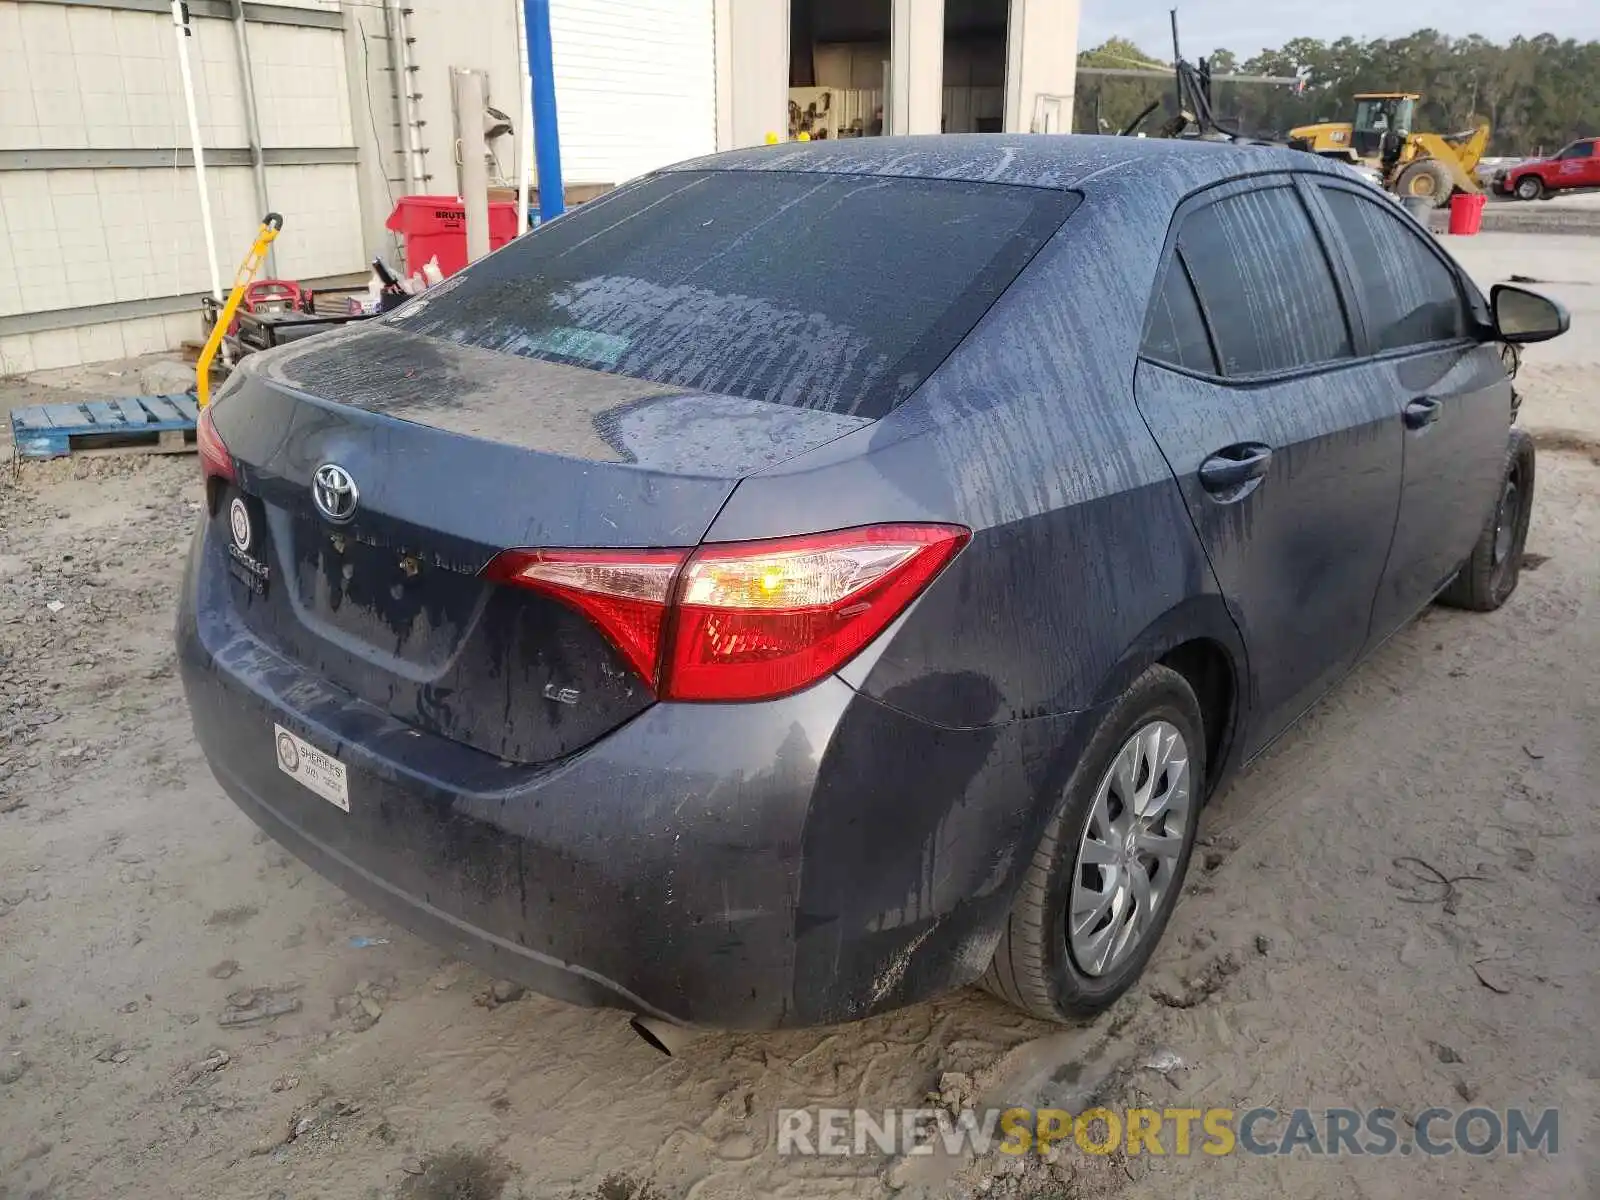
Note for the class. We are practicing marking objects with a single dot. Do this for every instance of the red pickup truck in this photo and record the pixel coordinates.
(1578, 166)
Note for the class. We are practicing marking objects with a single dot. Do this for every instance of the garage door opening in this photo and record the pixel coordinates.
(843, 69)
(838, 68)
(974, 65)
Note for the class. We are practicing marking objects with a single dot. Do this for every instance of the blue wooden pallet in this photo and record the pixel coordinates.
(150, 423)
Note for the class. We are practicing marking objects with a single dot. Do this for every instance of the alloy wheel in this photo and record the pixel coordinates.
(1132, 842)
(1506, 518)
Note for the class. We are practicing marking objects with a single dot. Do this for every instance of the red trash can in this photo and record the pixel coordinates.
(1466, 214)
(436, 226)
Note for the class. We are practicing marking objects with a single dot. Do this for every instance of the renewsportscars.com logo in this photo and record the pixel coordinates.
(1169, 1131)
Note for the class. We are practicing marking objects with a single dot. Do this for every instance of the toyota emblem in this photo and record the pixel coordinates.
(334, 492)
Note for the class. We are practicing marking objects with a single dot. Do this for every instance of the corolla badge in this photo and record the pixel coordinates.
(334, 492)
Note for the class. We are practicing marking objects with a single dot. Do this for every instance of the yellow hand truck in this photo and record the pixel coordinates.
(271, 225)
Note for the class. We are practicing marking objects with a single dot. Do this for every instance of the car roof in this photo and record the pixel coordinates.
(1030, 160)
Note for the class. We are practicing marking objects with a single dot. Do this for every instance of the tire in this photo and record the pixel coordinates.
(1529, 187)
(1490, 575)
(1036, 965)
(1426, 179)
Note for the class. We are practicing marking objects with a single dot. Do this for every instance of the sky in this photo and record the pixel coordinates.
(1246, 26)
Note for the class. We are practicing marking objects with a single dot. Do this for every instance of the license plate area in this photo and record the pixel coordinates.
(311, 768)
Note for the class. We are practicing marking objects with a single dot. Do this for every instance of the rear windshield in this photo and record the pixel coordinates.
(833, 292)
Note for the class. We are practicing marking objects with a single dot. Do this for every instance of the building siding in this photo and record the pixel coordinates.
(635, 85)
(85, 78)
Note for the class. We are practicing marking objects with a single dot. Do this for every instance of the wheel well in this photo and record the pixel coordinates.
(1205, 664)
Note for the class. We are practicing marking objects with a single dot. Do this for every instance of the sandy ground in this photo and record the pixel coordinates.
(1305, 966)
(1558, 378)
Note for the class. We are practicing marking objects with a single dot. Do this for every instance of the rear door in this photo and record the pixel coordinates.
(1452, 396)
(1286, 447)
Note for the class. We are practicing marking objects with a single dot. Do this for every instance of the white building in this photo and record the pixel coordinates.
(101, 249)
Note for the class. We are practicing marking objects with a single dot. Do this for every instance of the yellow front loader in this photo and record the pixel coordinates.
(1431, 166)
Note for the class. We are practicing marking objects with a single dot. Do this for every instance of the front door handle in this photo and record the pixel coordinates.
(1235, 466)
(1424, 410)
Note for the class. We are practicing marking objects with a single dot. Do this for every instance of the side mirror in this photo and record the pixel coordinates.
(1521, 316)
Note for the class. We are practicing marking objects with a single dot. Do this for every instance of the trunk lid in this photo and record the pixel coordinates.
(457, 453)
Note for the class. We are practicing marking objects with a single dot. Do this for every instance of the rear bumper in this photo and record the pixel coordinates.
(804, 861)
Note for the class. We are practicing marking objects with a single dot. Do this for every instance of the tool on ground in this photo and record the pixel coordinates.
(394, 293)
(263, 297)
(271, 225)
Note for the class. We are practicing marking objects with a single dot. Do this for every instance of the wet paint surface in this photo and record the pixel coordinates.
(855, 846)
(458, 453)
(816, 290)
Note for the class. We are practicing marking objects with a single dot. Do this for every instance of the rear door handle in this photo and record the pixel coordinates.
(1424, 410)
(1234, 466)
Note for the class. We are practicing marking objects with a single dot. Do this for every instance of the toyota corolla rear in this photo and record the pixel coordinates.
(454, 633)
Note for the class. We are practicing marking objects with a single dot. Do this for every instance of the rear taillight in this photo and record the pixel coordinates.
(624, 592)
(765, 618)
(215, 461)
(748, 620)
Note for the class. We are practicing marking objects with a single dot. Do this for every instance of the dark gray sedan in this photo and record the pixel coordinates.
(815, 577)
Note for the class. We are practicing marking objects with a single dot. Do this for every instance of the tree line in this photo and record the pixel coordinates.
(1537, 93)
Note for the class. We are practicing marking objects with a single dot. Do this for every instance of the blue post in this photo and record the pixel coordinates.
(546, 139)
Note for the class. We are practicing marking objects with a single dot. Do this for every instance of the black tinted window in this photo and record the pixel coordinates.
(1578, 150)
(1265, 283)
(835, 292)
(1410, 296)
(1176, 332)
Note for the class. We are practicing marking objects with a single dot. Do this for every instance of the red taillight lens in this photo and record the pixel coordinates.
(743, 621)
(765, 618)
(624, 592)
(215, 461)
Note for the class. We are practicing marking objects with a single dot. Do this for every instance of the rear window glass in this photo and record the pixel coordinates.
(834, 292)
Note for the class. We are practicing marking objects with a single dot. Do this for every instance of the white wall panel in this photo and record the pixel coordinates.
(321, 222)
(1041, 64)
(302, 90)
(98, 342)
(76, 78)
(635, 85)
(88, 78)
(446, 38)
(77, 238)
(636, 89)
(635, 81)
